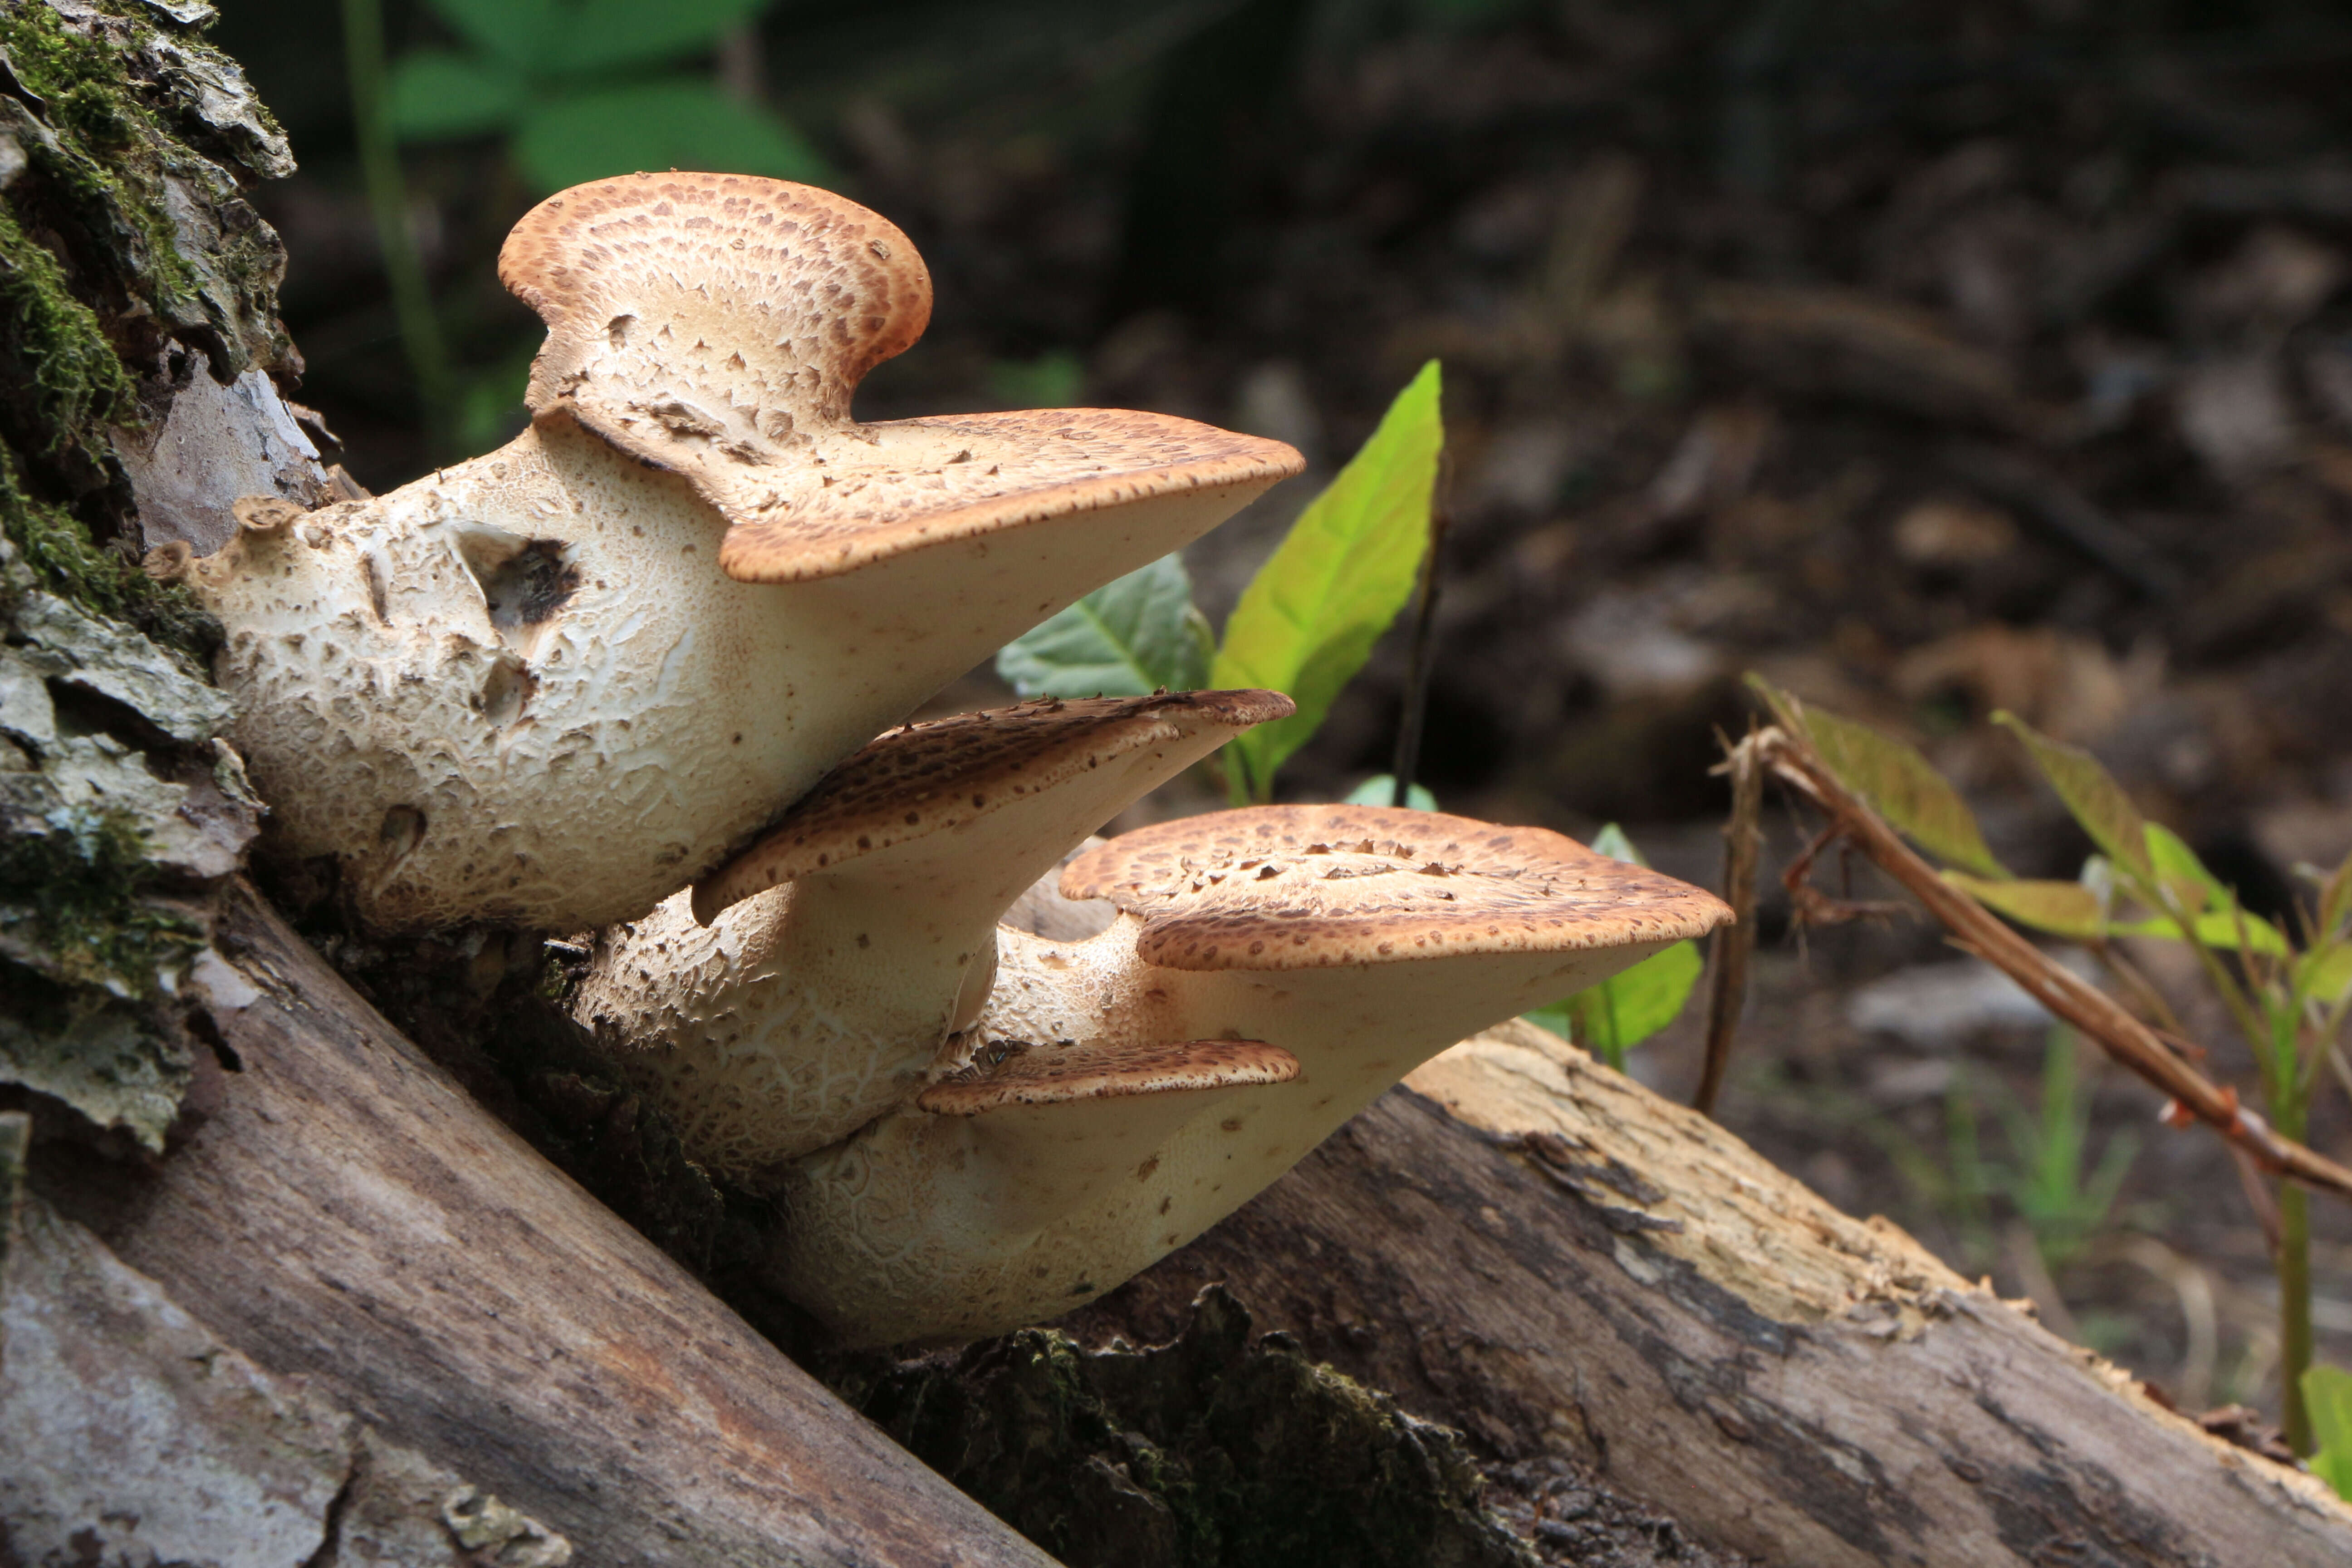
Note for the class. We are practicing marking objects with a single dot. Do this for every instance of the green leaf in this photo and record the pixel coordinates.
(603, 34)
(2214, 928)
(2182, 874)
(2061, 908)
(2091, 793)
(1127, 638)
(436, 96)
(2328, 1395)
(1309, 619)
(679, 124)
(1894, 779)
(1611, 841)
(1612, 1017)
(2327, 974)
(1381, 788)
(1051, 380)
(2073, 910)
(518, 32)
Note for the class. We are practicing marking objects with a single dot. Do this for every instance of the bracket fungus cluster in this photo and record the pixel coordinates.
(550, 684)
(613, 675)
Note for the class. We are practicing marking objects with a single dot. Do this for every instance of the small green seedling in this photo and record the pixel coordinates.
(2328, 1394)
(2287, 991)
(1304, 625)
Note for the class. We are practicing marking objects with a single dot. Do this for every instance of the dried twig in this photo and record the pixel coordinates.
(1978, 930)
(1732, 944)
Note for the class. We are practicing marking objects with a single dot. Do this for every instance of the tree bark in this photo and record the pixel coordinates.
(345, 1215)
(1540, 1252)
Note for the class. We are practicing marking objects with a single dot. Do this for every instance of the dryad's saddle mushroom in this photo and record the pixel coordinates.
(550, 684)
(833, 970)
(1277, 968)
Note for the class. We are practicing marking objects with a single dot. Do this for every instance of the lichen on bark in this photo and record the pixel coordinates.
(130, 262)
(124, 144)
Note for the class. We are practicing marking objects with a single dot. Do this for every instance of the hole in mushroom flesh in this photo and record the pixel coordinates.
(693, 541)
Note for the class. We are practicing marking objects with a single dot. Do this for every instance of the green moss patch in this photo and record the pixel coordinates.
(1210, 1452)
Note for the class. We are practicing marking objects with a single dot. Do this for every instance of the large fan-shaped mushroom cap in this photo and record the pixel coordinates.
(554, 683)
(1360, 940)
(717, 325)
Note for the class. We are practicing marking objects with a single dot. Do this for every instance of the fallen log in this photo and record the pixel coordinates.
(1539, 1251)
(347, 1215)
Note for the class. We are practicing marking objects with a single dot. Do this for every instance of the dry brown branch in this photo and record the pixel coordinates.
(1976, 930)
(1732, 944)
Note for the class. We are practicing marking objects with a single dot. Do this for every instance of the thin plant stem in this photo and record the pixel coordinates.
(2295, 1310)
(387, 193)
(1732, 946)
(1423, 653)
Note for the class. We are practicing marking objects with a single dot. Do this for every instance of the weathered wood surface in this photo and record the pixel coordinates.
(1566, 1261)
(347, 1214)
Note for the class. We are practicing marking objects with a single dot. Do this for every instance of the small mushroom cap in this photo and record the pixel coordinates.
(927, 778)
(1315, 887)
(717, 325)
(1036, 1075)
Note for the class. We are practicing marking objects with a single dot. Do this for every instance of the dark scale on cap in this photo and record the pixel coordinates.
(1311, 887)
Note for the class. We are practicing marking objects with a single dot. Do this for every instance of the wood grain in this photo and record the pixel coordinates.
(349, 1215)
(1542, 1252)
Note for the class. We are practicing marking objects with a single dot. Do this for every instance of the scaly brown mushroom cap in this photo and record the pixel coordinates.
(1048, 1075)
(1315, 887)
(943, 775)
(717, 325)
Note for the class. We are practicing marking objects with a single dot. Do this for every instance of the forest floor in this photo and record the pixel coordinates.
(1963, 365)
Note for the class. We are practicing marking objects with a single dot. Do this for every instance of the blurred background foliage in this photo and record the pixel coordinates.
(1934, 359)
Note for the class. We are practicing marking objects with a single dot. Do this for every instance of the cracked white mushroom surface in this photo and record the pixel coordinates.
(549, 685)
(1360, 940)
(847, 952)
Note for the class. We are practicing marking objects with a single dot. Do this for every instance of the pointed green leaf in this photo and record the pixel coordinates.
(1381, 788)
(2214, 928)
(2091, 793)
(2327, 974)
(2328, 1395)
(1127, 638)
(2061, 908)
(1309, 619)
(1612, 1017)
(1896, 782)
(1611, 841)
(683, 122)
(2182, 874)
(435, 95)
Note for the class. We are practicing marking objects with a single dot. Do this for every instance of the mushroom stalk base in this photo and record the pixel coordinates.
(913, 1231)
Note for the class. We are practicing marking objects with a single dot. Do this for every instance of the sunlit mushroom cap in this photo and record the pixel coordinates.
(1313, 887)
(1023, 1074)
(717, 325)
(927, 778)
